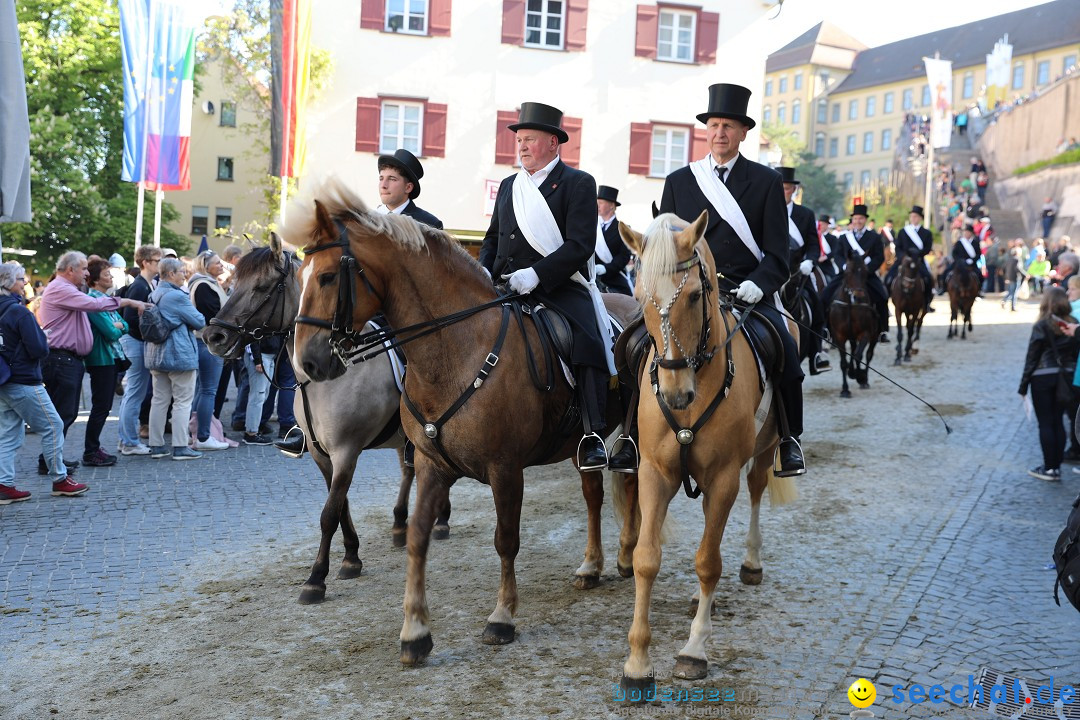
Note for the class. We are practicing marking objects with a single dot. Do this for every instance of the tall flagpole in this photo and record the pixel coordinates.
(139, 216)
(158, 197)
(284, 197)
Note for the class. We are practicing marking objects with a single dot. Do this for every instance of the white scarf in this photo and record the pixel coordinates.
(536, 222)
(967, 247)
(914, 235)
(850, 236)
(721, 199)
(602, 250)
(793, 231)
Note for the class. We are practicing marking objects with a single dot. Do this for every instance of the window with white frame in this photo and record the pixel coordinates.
(798, 80)
(925, 102)
(401, 126)
(781, 113)
(796, 111)
(853, 110)
(849, 181)
(1018, 76)
(909, 99)
(1042, 72)
(888, 104)
(670, 150)
(1068, 62)
(819, 145)
(822, 111)
(222, 218)
(886, 139)
(200, 219)
(766, 114)
(783, 84)
(868, 142)
(675, 36)
(883, 176)
(850, 144)
(967, 90)
(834, 147)
(407, 16)
(544, 23)
(836, 112)
(768, 88)
(864, 178)
(871, 106)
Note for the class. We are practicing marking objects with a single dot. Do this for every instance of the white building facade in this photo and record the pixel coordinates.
(443, 78)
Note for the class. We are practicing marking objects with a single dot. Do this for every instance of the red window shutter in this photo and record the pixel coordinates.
(372, 14)
(577, 14)
(699, 146)
(439, 18)
(367, 124)
(434, 130)
(708, 33)
(648, 24)
(513, 25)
(505, 142)
(570, 152)
(640, 148)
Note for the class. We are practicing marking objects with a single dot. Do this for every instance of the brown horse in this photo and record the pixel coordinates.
(473, 373)
(853, 324)
(963, 287)
(712, 396)
(908, 295)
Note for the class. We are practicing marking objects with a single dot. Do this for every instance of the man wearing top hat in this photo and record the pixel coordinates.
(827, 241)
(399, 186)
(804, 251)
(860, 243)
(612, 255)
(966, 252)
(916, 241)
(540, 241)
(747, 235)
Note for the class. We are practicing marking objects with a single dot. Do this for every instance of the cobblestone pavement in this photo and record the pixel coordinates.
(913, 557)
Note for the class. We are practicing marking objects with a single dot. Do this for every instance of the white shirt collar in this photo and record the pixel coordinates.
(383, 210)
(541, 175)
(729, 164)
(607, 223)
(789, 206)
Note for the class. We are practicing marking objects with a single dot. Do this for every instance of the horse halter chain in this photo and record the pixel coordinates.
(702, 356)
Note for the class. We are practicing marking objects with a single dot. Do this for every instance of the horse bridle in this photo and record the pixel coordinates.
(278, 293)
(667, 333)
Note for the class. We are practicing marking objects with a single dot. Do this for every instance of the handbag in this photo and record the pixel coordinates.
(122, 364)
(1067, 558)
(1064, 390)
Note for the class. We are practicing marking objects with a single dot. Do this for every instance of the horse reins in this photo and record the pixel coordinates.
(278, 293)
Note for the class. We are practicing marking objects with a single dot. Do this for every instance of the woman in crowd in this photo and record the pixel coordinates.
(173, 363)
(1039, 271)
(208, 297)
(1051, 353)
(107, 328)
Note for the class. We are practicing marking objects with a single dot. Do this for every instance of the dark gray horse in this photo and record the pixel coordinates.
(265, 299)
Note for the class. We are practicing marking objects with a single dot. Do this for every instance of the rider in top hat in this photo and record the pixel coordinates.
(858, 242)
(916, 241)
(805, 251)
(399, 186)
(966, 252)
(612, 255)
(747, 234)
(540, 241)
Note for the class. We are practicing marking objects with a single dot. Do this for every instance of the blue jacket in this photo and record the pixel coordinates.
(179, 352)
(23, 343)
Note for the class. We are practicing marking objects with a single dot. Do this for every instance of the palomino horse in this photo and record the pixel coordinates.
(471, 371)
(853, 324)
(675, 287)
(963, 287)
(909, 300)
(338, 427)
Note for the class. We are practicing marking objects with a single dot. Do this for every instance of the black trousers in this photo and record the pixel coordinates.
(1050, 414)
(62, 372)
(790, 383)
(102, 394)
(592, 384)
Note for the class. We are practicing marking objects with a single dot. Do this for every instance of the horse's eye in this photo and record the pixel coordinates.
(695, 296)
(327, 278)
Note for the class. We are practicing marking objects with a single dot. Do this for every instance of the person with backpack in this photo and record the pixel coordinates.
(23, 398)
(173, 360)
(147, 258)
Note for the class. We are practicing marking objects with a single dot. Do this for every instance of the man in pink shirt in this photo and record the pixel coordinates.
(62, 315)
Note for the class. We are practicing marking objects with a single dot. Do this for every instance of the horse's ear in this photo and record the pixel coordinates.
(275, 244)
(689, 237)
(655, 210)
(631, 239)
(323, 222)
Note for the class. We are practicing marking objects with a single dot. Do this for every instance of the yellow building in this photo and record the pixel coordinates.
(858, 113)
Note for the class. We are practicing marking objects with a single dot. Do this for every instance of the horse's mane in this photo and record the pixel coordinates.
(254, 259)
(659, 256)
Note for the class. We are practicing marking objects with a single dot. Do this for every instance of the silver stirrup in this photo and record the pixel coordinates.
(587, 468)
(637, 454)
(288, 453)
(779, 471)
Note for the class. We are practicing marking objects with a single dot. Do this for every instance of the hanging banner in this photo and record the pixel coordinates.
(14, 124)
(290, 43)
(939, 77)
(998, 73)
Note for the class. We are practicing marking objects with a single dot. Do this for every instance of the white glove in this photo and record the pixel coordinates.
(748, 292)
(806, 267)
(600, 270)
(522, 281)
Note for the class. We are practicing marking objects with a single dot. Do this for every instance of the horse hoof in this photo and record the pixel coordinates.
(440, 532)
(638, 690)
(415, 652)
(587, 582)
(897, 362)
(350, 569)
(498, 634)
(694, 602)
(626, 570)
(864, 386)
(845, 393)
(691, 668)
(398, 536)
(749, 575)
(312, 594)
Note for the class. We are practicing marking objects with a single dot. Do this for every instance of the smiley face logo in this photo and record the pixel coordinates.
(862, 693)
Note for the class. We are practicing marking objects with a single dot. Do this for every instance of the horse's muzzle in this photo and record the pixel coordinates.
(318, 360)
(222, 342)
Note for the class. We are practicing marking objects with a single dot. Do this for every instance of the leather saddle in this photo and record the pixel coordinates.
(766, 344)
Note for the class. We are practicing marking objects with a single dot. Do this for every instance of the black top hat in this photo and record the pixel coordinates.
(917, 209)
(537, 116)
(408, 164)
(968, 225)
(788, 175)
(605, 192)
(859, 210)
(728, 101)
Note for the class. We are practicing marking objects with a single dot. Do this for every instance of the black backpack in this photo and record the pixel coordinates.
(1067, 558)
(153, 326)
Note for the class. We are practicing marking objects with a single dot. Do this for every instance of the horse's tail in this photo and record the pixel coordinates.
(670, 528)
(782, 490)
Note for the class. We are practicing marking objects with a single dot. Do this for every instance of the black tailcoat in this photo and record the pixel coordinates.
(613, 279)
(807, 224)
(420, 215)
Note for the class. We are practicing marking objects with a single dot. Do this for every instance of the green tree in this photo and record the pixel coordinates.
(238, 44)
(820, 191)
(75, 99)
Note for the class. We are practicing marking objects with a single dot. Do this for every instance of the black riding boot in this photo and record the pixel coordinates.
(790, 416)
(624, 456)
(592, 395)
(293, 443)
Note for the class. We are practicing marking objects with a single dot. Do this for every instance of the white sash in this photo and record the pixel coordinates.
(914, 235)
(722, 201)
(967, 247)
(536, 222)
(850, 237)
(602, 250)
(793, 231)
